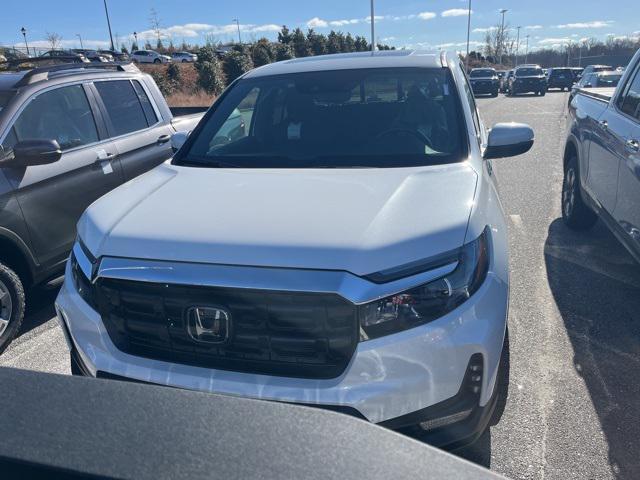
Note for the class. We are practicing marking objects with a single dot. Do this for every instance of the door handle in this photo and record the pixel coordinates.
(604, 124)
(105, 158)
(633, 145)
(163, 139)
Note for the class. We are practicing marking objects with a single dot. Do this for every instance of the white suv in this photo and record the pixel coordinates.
(149, 56)
(345, 249)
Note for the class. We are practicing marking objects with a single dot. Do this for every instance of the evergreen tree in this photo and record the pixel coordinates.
(299, 43)
(317, 42)
(262, 53)
(236, 64)
(284, 36)
(283, 51)
(349, 43)
(333, 42)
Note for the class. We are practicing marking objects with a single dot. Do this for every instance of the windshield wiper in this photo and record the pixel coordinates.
(186, 162)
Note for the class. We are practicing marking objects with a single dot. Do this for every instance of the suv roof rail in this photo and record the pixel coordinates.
(39, 74)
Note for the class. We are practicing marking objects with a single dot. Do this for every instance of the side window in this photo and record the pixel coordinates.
(149, 112)
(123, 106)
(62, 114)
(629, 101)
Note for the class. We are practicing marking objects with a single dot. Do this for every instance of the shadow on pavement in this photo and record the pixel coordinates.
(39, 309)
(596, 286)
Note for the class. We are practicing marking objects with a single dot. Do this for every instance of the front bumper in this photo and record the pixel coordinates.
(480, 88)
(408, 373)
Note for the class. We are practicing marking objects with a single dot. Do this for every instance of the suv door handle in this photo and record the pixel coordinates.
(633, 145)
(163, 139)
(109, 156)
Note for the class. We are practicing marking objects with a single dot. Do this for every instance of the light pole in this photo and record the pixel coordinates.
(526, 52)
(466, 59)
(135, 35)
(106, 11)
(78, 35)
(238, 25)
(501, 38)
(24, 34)
(373, 28)
(517, 46)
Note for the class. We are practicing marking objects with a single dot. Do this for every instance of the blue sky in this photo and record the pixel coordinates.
(426, 24)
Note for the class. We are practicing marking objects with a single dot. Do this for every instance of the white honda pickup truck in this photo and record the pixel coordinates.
(347, 251)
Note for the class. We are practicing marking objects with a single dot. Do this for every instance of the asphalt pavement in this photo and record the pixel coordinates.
(573, 408)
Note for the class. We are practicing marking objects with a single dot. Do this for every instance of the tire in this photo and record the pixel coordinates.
(543, 93)
(12, 301)
(157, 60)
(502, 381)
(577, 215)
(494, 94)
(184, 61)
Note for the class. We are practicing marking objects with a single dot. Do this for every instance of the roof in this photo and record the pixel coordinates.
(349, 61)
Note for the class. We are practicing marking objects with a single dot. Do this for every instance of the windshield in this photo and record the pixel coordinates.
(485, 72)
(608, 80)
(528, 72)
(334, 119)
(556, 72)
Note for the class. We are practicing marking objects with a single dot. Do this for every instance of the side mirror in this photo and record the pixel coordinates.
(178, 139)
(34, 152)
(508, 140)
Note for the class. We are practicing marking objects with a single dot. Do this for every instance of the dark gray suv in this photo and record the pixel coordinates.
(68, 135)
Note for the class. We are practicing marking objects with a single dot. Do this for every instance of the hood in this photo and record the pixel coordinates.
(358, 220)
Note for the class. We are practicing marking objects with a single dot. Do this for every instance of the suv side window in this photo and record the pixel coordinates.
(123, 106)
(149, 112)
(629, 100)
(472, 104)
(62, 114)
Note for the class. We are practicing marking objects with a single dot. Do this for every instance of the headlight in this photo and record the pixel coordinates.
(428, 302)
(81, 282)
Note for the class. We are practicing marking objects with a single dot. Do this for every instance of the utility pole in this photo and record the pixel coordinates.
(580, 55)
(373, 28)
(78, 35)
(526, 54)
(106, 11)
(135, 35)
(517, 47)
(466, 59)
(238, 25)
(501, 37)
(24, 34)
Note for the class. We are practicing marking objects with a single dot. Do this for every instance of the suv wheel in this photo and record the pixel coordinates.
(157, 60)
(576, 214)
(11, 305)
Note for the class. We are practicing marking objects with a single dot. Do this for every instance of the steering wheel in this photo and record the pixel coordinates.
(399, 130)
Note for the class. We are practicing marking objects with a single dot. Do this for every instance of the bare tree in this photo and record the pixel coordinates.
(156, 24)
(54, 40)
(498, 41)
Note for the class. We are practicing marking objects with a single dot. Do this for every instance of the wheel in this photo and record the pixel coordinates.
(11, 305)
(502, 381)
(576, 214)
(494, 94)
(157, 60)
(543, 93)
(184, 61)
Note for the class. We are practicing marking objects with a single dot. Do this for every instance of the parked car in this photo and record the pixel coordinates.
(93, 55)
(66, 54)
(116, 56)
(527, 79)
(595, 68)
(290, 264)
(484, 81)
(184, 57)
(149, 56)
(602, 159)
(604, 79)
(561, 78)
(577, 73)
(68, 134)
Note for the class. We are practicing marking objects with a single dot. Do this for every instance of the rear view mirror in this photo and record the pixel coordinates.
(178, 139)
(33, 152)
(508, 140)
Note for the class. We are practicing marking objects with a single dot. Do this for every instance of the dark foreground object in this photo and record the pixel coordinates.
(66, 427)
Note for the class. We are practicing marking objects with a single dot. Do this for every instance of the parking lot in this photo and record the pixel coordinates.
(575, 301)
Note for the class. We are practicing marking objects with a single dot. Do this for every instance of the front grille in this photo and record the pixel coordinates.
(290, 334)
